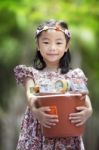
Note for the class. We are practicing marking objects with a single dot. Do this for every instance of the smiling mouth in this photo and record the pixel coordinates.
(52, 54)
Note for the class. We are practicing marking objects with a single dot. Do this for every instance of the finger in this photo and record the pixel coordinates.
(80, 108)
(80, 124)
(53, 120)
(52, 116)
(75, 114)
(74, 118)
(83, 97)
(45, 108)
(51, 123)
(76, 121)
(46, 126)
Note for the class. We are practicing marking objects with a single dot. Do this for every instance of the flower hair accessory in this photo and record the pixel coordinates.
(57, 28)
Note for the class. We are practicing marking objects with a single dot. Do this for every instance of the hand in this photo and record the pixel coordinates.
(44, 118)
(83, 96)
(32, 101)
(80, 117)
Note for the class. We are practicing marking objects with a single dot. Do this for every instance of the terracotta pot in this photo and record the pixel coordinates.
(62, 106)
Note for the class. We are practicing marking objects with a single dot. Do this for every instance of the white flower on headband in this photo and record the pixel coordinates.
(67, 33)
(57, 28)
(37, 32)
(45, 28)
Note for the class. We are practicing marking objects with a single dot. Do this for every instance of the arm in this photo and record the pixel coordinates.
(88, 104)
(84, 113)
(30, 97)
(39, 113)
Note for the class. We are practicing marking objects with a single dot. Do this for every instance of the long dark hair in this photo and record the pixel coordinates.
(64, 63)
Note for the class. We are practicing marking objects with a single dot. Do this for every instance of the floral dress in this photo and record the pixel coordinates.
(31, 137)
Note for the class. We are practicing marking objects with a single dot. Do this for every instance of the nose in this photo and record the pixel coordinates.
(52, 47)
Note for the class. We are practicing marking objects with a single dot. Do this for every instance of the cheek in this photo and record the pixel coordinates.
(62, 53)
(43, 53)
(43, 47)
(62, 50)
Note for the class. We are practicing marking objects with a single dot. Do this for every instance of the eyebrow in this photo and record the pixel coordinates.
(59, 39)
(45, 39)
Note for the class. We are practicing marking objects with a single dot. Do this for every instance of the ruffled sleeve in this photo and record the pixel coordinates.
(77, 73)
(78, 80)
(22, 72)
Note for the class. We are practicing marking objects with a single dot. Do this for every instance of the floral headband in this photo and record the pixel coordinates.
(57, 28)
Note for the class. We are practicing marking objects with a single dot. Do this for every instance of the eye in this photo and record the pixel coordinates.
(45, 42)
(59, 43)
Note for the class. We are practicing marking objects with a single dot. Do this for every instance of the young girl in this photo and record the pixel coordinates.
(51, 62)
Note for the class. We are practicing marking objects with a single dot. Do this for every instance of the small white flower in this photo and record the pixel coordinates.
(37, 32)
(67, 33)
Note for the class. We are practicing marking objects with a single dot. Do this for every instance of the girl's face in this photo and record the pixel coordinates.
(52, 45)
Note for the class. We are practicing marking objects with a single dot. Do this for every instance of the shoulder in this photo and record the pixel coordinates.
(78, 80)
(77, 73)
(23, 71)
(22, 67)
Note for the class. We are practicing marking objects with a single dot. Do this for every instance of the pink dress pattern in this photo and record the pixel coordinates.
(31, 137)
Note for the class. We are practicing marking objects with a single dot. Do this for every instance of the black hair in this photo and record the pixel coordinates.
(64, 63)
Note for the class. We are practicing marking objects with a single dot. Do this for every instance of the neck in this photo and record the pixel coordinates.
(52, 67)
(52, 64)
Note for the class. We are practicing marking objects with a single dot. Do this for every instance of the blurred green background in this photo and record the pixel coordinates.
(18, 21)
